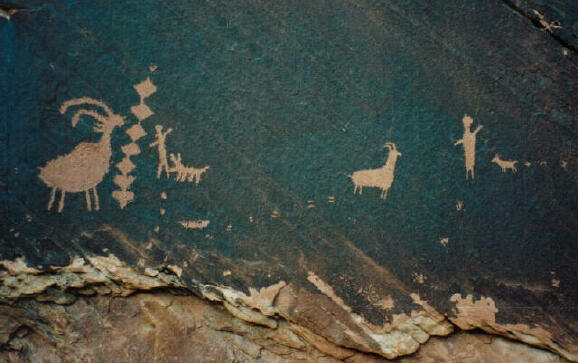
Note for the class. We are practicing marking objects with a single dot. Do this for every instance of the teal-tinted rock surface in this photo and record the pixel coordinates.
(221, 144)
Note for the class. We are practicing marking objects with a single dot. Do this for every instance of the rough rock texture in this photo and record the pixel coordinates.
(350, 180)
(162, 327)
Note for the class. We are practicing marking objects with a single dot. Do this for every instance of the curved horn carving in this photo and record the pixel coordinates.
(94, 114)
(84, 101)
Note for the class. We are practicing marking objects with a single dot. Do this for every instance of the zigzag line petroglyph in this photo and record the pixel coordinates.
(136, 132)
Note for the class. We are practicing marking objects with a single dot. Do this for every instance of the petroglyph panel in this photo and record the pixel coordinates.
(225, 134)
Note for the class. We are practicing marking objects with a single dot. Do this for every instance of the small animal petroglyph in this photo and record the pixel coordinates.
(83, 168)
(199, 224)
(528, 164)
(444, 241)
(186, 173)
(505, 164)
(468, 141)
(381, 178)
(564, 164)
(162, 150)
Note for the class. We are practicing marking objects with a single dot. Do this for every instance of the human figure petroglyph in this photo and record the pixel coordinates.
(381, 178)
(468, 141)
(505, 164)
(162, 149)
(186, 173)
(83, 168)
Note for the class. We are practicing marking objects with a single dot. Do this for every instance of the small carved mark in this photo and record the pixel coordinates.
(459, 205)
(199, 224)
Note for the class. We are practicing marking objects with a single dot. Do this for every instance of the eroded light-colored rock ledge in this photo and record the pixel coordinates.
(294, 320)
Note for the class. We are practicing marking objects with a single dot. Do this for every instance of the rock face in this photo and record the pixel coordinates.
(162, 327)
(287, 181)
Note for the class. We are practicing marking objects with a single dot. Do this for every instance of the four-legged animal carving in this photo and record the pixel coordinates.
(186, 173)
(505, 164)
(381, 178)
(83, 168)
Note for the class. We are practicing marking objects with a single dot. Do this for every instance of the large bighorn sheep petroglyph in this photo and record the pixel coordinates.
(505, 164)
(381, 178)
(83, 168)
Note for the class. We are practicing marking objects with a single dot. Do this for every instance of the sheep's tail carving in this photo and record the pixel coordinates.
(86, 101)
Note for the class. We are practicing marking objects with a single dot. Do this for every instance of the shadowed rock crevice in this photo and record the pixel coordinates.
(538, 19)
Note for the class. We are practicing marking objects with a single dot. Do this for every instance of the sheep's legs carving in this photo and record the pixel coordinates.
(61, 203)
(88, 206)
(384, 194)
(96, 203)
(52, 196)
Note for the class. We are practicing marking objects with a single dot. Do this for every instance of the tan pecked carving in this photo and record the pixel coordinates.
(468, 141)
(505, 164)
(83, 168)
(186, 173)
(199, 224)
(381, 178)
(124, 180)
(459, 205)
(162, 149)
